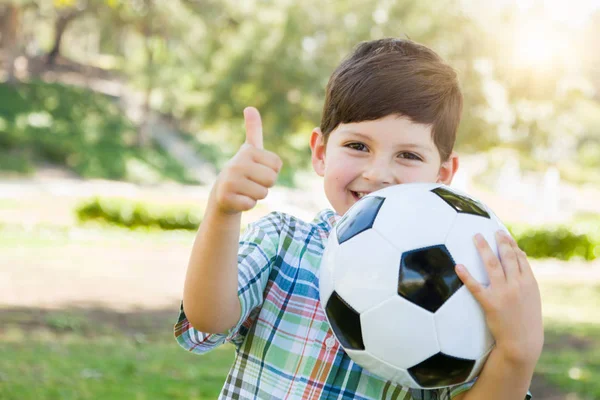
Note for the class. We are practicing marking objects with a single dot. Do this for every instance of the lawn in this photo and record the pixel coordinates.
(571, 357)
(69, 355)
(97, 352)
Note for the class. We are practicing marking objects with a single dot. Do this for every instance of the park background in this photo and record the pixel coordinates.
(116, 116)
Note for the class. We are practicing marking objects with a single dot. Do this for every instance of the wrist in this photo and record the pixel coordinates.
(523, 363)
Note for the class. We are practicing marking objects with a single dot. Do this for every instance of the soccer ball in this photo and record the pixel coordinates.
(389, 290)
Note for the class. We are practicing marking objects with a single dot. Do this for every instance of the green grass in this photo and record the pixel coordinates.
(81, 354)
(74, 358)
(571, 356)
(104, 354)
(573, 364)
(78, 129)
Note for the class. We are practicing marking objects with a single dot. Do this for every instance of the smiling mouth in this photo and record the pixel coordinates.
(358, 195)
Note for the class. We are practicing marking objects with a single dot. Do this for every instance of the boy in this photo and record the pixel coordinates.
(390, 117)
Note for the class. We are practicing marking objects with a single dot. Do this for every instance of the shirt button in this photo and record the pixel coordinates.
(330, 342)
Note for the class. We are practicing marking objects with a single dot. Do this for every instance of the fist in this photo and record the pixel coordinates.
(247, 177)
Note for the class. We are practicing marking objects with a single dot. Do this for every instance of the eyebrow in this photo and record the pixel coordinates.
(406, 145)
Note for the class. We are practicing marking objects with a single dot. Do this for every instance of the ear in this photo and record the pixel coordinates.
(317, 147)
(448, 169)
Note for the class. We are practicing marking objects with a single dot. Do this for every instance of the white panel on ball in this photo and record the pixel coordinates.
(327, 263)
(416, 221)
(367, 267)
(381, 369)
(407, 337)
(497, 220)
(461, 246)
(461, 328)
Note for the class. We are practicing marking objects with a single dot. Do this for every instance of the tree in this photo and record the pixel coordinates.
(280, 57)
(10, 38)
(65, 15)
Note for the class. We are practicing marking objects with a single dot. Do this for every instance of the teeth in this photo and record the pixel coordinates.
(360, 195)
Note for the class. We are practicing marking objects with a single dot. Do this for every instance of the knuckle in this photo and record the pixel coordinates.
(271, 179)
(521, 253)
(510, 256)
(250, 203)
(226, 186)
(263, 193)
(493, 262)
(245, 153)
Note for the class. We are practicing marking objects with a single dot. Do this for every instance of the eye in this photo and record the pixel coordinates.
(356, 146)
(410, 156)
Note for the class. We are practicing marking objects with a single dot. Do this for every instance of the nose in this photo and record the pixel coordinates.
(380, 172)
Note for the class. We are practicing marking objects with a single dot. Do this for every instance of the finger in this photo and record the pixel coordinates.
(241, 203)
(508, 256)
(262, 174)
(251, 189)
(489, 259)
(477, 289)
(269, 159)
(524, 265)
(254, 134)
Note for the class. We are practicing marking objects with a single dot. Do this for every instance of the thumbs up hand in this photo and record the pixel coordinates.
(247, 177)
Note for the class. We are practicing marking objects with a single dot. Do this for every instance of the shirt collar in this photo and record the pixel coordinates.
(326, 220)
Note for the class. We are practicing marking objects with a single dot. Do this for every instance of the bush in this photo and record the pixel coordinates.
(561, 242)
(129, 214)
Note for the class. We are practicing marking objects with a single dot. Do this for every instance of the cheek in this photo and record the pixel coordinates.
(344, 174)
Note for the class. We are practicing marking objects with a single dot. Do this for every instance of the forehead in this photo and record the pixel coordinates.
(391, 129)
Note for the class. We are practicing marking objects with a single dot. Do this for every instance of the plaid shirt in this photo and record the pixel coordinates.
(284, 346)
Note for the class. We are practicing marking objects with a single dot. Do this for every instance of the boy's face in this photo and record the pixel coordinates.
(363, 157)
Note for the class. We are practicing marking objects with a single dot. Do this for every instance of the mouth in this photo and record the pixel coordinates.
(358, 195)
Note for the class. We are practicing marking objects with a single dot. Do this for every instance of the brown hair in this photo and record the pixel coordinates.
(395, 76)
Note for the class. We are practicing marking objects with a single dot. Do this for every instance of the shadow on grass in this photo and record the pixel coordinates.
(91, 321)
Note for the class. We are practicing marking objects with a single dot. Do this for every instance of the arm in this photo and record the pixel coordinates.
(500, 380)
(513, 312)
(210, 291)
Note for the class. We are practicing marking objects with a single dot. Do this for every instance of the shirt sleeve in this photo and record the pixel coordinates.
(258, 249)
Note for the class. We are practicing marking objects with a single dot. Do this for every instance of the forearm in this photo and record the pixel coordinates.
(210, 296)
(500, 379)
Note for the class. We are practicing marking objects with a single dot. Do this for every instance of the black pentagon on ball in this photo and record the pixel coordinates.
(359, 218)
(345, 323)
(441, 370)
(460, 203)
(427, 277)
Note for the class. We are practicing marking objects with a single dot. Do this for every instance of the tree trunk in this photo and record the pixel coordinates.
(10, 39)
(144, 129)
(59, 29)
(3, 24)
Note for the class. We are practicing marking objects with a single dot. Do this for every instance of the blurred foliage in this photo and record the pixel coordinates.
(202, 61)
(133, 214)
(560, 243)
(83, 131)
(580, 239)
